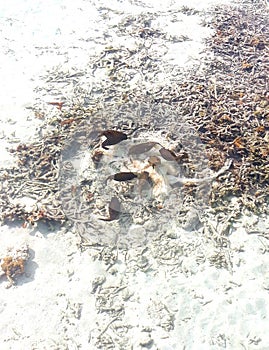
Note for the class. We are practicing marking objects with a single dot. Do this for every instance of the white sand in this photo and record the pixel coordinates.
(169, 299)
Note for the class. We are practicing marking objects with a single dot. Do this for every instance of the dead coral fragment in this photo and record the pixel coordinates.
(13, 262)
(12, 267)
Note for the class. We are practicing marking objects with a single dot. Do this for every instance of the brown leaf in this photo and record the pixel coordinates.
(247, 66)
(67, 121)
(144, 177)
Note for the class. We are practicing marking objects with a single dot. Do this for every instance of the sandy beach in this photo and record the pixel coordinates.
(182, 274)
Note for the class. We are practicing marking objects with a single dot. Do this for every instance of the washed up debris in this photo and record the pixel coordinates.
(220, 140)
(112, 137)
(13, 263)
(123, 176)
(114, 209)
(142, 183)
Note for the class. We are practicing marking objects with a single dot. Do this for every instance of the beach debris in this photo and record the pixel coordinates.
(114, 210)
(145, 340)
(123, 176)
(112, 137)
(13, 264)
(211, 177)
(161, 314)
(12, 267)
(98, 281)
(228, 116)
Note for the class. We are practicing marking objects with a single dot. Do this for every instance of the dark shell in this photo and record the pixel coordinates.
(113, 137)
(124, 176)
(167, 154)
(141, 148)
(114, 209)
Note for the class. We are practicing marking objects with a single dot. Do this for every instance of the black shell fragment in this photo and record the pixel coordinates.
(114, 209)
(113, 137)
(167, 154)
(124, 176)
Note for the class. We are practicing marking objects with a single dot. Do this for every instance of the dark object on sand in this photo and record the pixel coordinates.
(113, 137)
(113, 210)
(123, 176)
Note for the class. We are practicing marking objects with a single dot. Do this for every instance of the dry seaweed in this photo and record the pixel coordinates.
(226, 103)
